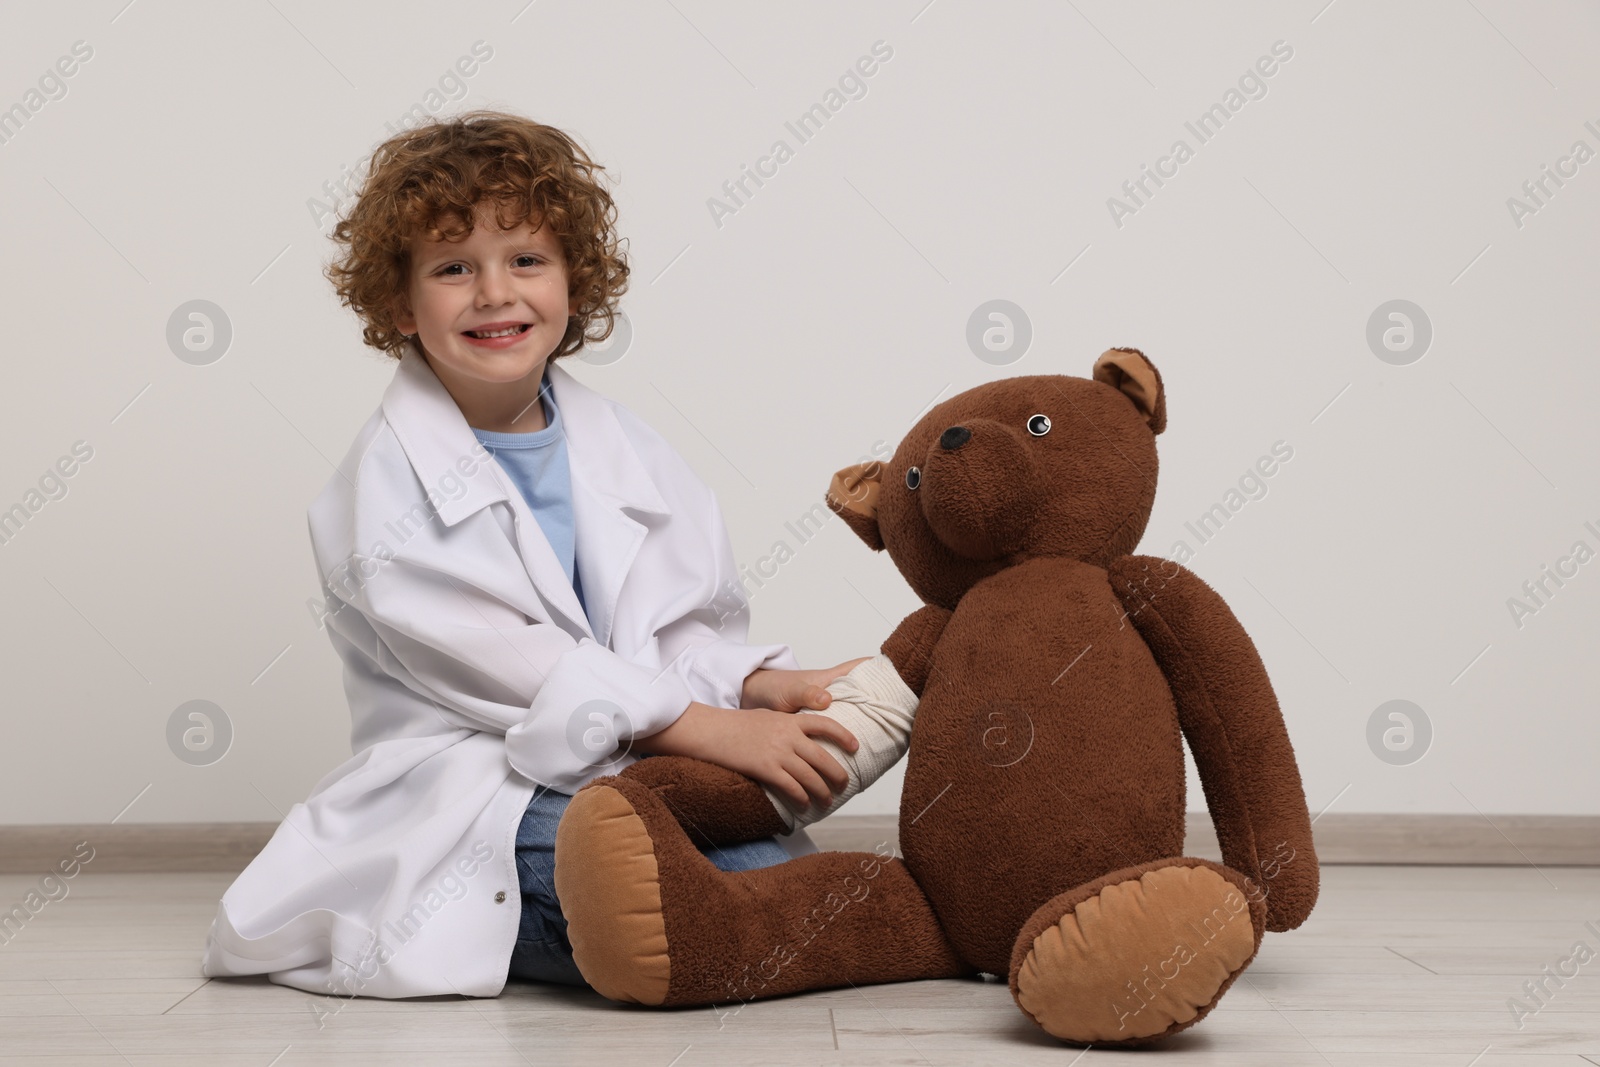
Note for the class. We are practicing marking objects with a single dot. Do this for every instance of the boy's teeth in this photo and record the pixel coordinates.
(508, 331)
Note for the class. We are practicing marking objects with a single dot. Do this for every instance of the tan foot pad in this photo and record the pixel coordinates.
(1137, 958)
(609, 885)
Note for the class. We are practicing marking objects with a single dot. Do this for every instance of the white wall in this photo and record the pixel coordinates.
(820, 317)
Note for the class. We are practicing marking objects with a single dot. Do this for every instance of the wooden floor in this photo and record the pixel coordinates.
(1398, 966)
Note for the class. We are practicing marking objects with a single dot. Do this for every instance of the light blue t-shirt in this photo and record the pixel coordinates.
(537, 465)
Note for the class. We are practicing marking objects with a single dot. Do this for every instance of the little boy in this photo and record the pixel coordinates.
(528, 588)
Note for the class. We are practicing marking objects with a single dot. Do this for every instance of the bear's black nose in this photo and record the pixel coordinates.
(954, 438)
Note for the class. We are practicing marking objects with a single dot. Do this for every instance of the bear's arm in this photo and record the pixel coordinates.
(910, 647)
(1230, 717)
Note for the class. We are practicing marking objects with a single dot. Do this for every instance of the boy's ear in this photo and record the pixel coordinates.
(853, 496)
(400, 315)
(1129, 371)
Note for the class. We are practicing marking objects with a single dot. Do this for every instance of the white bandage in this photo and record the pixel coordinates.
(875, 705)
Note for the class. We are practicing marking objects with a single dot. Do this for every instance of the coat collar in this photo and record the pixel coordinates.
(435, 436)
(606, 471)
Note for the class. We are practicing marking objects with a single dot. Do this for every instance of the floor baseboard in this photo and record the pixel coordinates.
(1496, 840)
(1467, 840)
(139, 847)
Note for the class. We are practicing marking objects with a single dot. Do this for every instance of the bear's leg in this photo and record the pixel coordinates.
(1138, 954)
(714, 805)
(652, 921)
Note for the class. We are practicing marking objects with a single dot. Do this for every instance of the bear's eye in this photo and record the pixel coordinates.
(1039, 425)
(913, 478)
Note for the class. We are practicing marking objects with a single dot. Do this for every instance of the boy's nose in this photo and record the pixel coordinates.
(954, 438)
(493, 288)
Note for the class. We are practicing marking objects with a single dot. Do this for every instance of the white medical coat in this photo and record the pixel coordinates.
(473, 674)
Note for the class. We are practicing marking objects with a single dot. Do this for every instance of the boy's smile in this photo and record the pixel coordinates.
(488, 311)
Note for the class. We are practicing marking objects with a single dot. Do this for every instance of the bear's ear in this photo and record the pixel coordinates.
(1130, 372)
(853, 496)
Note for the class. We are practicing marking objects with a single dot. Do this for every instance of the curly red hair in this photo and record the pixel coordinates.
(429, 181)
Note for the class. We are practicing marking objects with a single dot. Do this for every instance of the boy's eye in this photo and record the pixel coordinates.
(528, 260)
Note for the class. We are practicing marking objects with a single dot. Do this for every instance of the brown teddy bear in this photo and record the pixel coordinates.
(1042, 819)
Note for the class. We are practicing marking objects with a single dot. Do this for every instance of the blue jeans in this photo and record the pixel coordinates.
(543, 953)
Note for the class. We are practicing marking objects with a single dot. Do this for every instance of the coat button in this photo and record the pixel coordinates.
(500, 897)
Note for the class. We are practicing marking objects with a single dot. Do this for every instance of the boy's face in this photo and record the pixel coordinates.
(493, 279)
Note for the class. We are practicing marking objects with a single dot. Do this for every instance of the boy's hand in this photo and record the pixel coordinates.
(773, 747)
(792, 690)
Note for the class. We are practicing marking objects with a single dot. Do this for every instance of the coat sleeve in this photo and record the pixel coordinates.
(712, 642)
(563, 704)
(709, 646)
